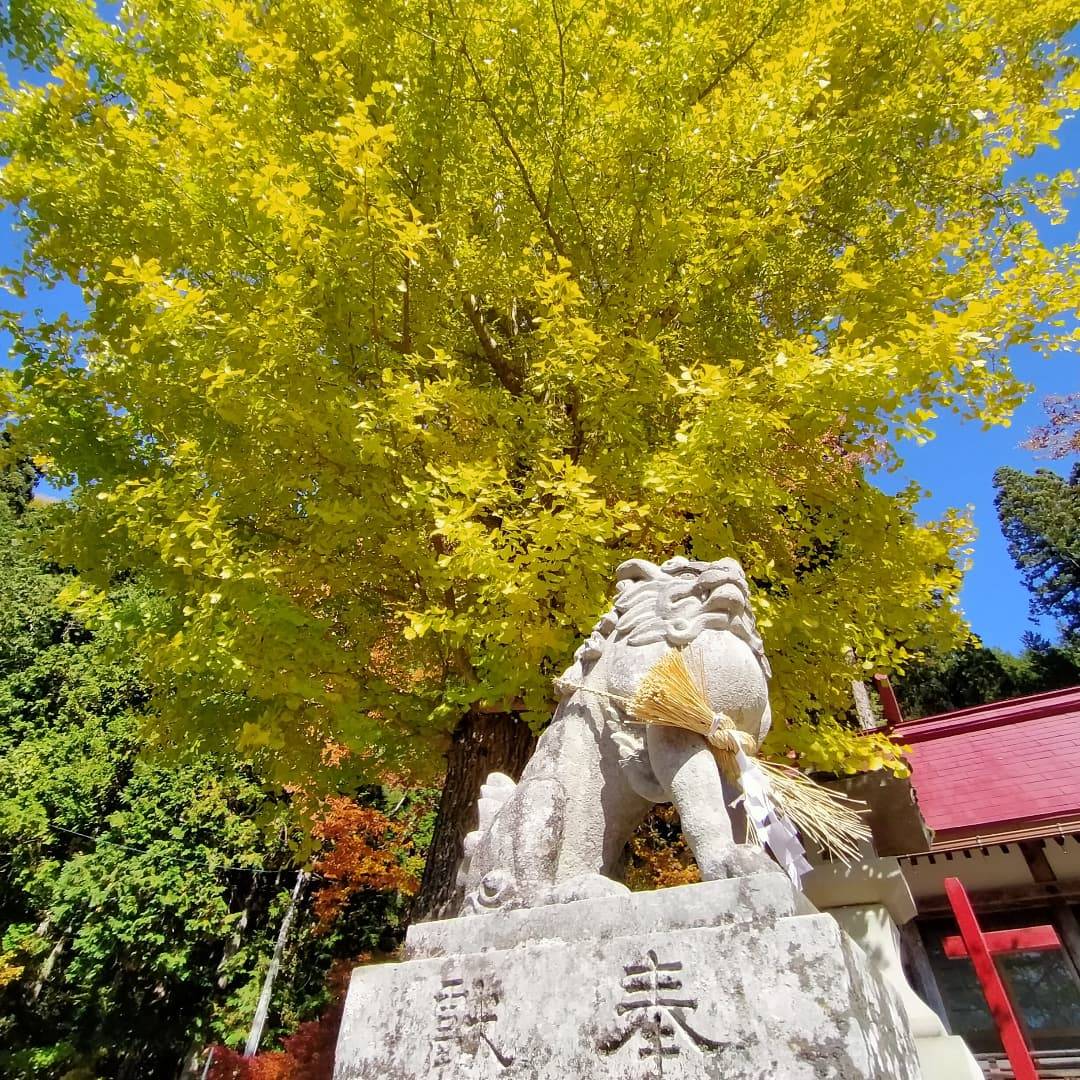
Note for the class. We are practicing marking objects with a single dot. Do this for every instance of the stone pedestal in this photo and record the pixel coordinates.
(869, 900)
(725, 980)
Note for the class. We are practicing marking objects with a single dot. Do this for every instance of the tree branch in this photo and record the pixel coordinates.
(739, 57)
(504, 135)
(577, 431)
(509, 378)
(406, 329)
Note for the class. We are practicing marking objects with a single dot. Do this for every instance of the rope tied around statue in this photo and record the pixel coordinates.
(728, 739)
(780, 801)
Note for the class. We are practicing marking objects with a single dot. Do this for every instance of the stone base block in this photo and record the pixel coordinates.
(683, 983)
(947, 1058)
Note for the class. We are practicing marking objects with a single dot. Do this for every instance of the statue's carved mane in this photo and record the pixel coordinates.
(645, 610)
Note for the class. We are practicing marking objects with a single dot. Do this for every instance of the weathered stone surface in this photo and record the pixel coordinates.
(947, 1058)
(868, 899)
(872, 929)
(761, 897)
(870, 880)
(567, 975)
(760, 993)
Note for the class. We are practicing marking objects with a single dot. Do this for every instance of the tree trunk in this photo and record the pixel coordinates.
(483, 743)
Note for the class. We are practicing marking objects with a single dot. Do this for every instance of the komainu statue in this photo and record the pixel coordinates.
(559, 833)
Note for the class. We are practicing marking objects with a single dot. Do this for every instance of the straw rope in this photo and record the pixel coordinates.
(673, 694)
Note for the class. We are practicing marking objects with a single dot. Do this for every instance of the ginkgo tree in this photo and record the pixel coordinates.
(406, 322)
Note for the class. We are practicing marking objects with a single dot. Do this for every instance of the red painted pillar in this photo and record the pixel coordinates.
(889, 705)
(1012, 1038)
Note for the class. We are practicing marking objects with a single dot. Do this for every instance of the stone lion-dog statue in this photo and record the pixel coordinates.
(559, 834)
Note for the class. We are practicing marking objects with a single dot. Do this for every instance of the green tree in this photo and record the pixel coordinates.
(976, 675)
(141, 897)
(17, 478)
(1040, 517)
(406, 325)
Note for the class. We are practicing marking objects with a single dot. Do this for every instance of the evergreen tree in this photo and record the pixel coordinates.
(976, 675)
(17, 477)
(1040, 517)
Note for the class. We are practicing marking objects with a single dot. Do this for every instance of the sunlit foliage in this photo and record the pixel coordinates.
(408, 321)
(141, 898)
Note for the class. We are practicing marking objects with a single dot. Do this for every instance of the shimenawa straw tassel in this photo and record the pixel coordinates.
(778, 799)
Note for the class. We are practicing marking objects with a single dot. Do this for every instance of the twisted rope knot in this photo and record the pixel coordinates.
(726, 737)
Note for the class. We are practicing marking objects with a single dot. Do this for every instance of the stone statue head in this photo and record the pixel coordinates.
(672, 602)
(680, 598)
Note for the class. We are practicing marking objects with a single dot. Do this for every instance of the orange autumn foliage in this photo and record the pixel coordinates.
(364, 851)
(658, 856)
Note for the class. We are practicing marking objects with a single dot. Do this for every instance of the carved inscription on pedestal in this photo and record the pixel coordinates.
(655, 1009)
(464, 1013)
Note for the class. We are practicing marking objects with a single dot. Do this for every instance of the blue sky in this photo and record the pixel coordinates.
(955, 467)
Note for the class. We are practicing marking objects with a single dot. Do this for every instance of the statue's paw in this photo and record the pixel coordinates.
(497, 890)
(585, 887)
(740, 860)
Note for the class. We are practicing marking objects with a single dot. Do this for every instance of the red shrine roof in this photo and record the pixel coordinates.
(1003, 771)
